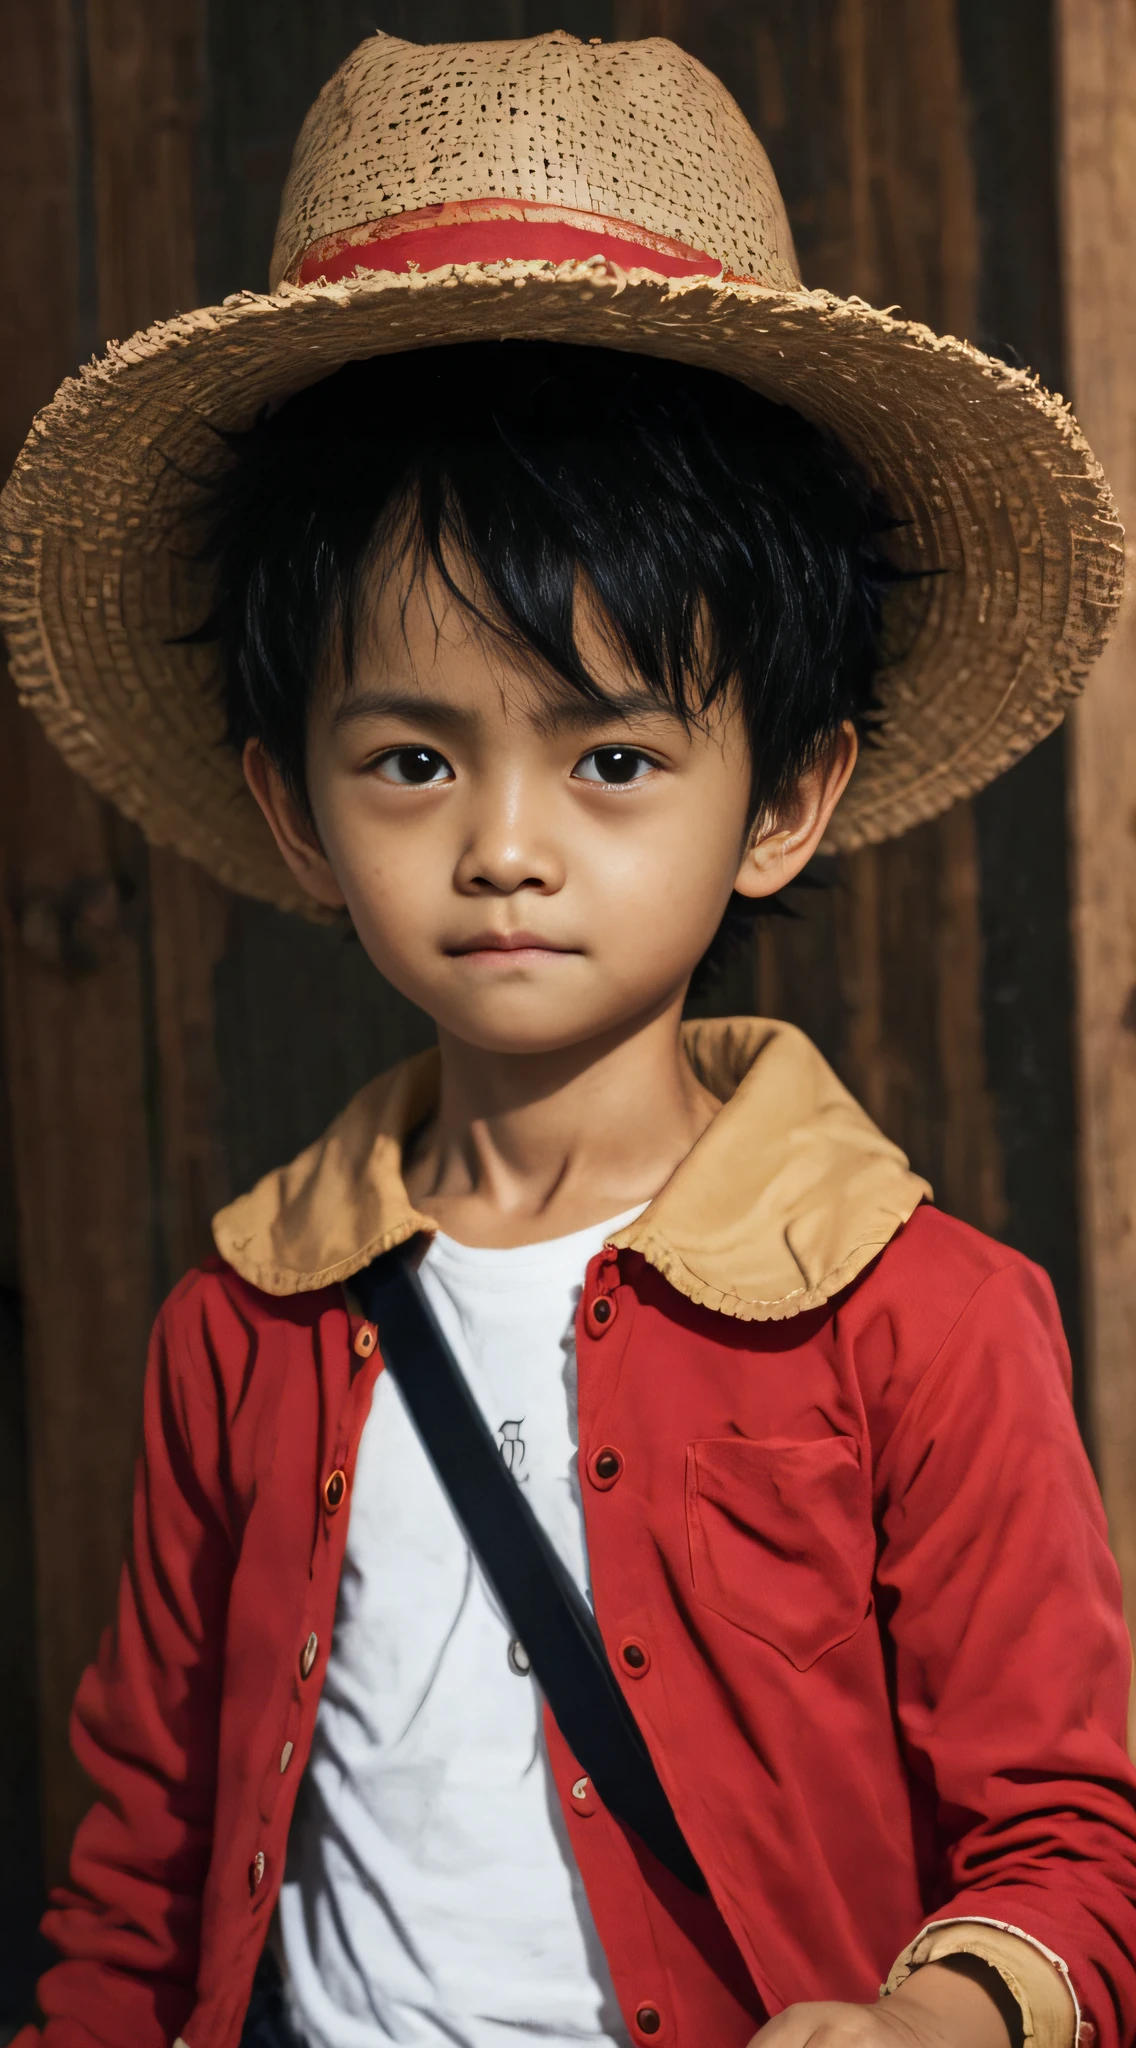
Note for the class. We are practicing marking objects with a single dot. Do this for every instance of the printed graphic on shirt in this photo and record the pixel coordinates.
(511, 1445)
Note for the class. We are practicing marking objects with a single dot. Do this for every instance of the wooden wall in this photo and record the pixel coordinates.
(166, 1042)
(1097, 71)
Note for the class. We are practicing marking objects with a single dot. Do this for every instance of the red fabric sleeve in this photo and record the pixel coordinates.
(145, 1727)
(1012, 1663)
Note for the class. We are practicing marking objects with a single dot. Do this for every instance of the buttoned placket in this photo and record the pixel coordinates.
(334, 1474)
(602, 1338)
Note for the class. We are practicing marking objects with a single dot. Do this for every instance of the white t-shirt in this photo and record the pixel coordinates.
(430, 1894)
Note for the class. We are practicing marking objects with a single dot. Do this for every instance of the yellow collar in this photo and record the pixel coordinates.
(788, 1194)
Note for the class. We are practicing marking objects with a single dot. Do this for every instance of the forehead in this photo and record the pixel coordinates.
(420, 642)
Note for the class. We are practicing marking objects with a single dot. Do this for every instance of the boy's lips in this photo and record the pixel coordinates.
(507, 942)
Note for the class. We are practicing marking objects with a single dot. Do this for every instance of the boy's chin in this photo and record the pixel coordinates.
(524, 1042)
(540, 1032)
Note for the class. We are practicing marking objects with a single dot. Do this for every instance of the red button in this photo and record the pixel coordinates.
(605, 1466)
(634, 1656)
(600, 1314)
(365, 1341)
(334, 1490)
(648, 2019)
(583, 1798)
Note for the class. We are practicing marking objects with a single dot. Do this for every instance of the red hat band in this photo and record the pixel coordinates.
(497, 231)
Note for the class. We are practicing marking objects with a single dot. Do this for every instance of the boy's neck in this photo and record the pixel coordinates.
(526, 1147)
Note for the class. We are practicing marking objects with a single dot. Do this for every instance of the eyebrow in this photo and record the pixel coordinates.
(564, 713)
(578, 714)
(401, 704)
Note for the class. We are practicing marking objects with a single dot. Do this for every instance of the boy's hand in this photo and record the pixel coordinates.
(935, 2008)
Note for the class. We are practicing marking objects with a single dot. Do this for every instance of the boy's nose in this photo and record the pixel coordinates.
(503, 870)
(507, 850)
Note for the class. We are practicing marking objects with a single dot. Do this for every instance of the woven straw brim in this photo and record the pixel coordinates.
(993, 481)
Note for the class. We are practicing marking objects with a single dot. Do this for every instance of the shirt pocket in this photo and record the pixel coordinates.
(781, 1539)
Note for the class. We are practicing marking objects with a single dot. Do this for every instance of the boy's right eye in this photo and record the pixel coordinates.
(414, 766)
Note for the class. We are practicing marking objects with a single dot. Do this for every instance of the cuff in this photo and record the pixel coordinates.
(1038, 1980)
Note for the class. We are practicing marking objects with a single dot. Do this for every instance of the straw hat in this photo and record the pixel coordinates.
(606, 194)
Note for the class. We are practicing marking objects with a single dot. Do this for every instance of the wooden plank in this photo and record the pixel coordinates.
(74, 986)
(87, 920)
(35, 170)
(146, 85)
(21, 1883)
(1097, 71)
(38, 168)
(144, 67)
(35, 174)
(1009, 61)
(74, 1004)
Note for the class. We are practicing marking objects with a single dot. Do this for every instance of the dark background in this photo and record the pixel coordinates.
(166, 1042)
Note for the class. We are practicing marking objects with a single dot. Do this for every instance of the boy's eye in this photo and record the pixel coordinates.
(613, 765)
(415, 765)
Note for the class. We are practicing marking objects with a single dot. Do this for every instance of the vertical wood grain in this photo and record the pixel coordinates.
(1028, 973)
(70, 924)
(147, 82)
(36, 170)
(107, 956)
(74, 994)
(1097, 71)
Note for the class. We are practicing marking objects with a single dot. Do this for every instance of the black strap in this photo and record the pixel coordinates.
(545, 1607)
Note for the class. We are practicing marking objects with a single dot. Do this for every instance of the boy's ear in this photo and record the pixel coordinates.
(290, 827)
(781, 844)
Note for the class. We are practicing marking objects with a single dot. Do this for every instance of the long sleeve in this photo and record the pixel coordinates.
(144, 1729)
(1001, 1603)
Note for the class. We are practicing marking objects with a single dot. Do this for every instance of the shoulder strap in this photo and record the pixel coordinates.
(545, 1607)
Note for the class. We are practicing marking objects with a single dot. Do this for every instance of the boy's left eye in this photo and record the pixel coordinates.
(413, 767)
(613, 765)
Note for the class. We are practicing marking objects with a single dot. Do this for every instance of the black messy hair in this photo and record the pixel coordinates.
(728, 541)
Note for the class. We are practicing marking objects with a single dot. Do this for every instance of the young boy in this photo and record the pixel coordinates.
(561, 557)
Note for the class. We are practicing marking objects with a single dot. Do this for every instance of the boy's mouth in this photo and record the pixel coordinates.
(507, 942)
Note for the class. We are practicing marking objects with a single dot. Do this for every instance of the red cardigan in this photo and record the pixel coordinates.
(886, 1677)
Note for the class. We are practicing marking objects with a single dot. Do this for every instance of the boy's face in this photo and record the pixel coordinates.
(532, 869)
